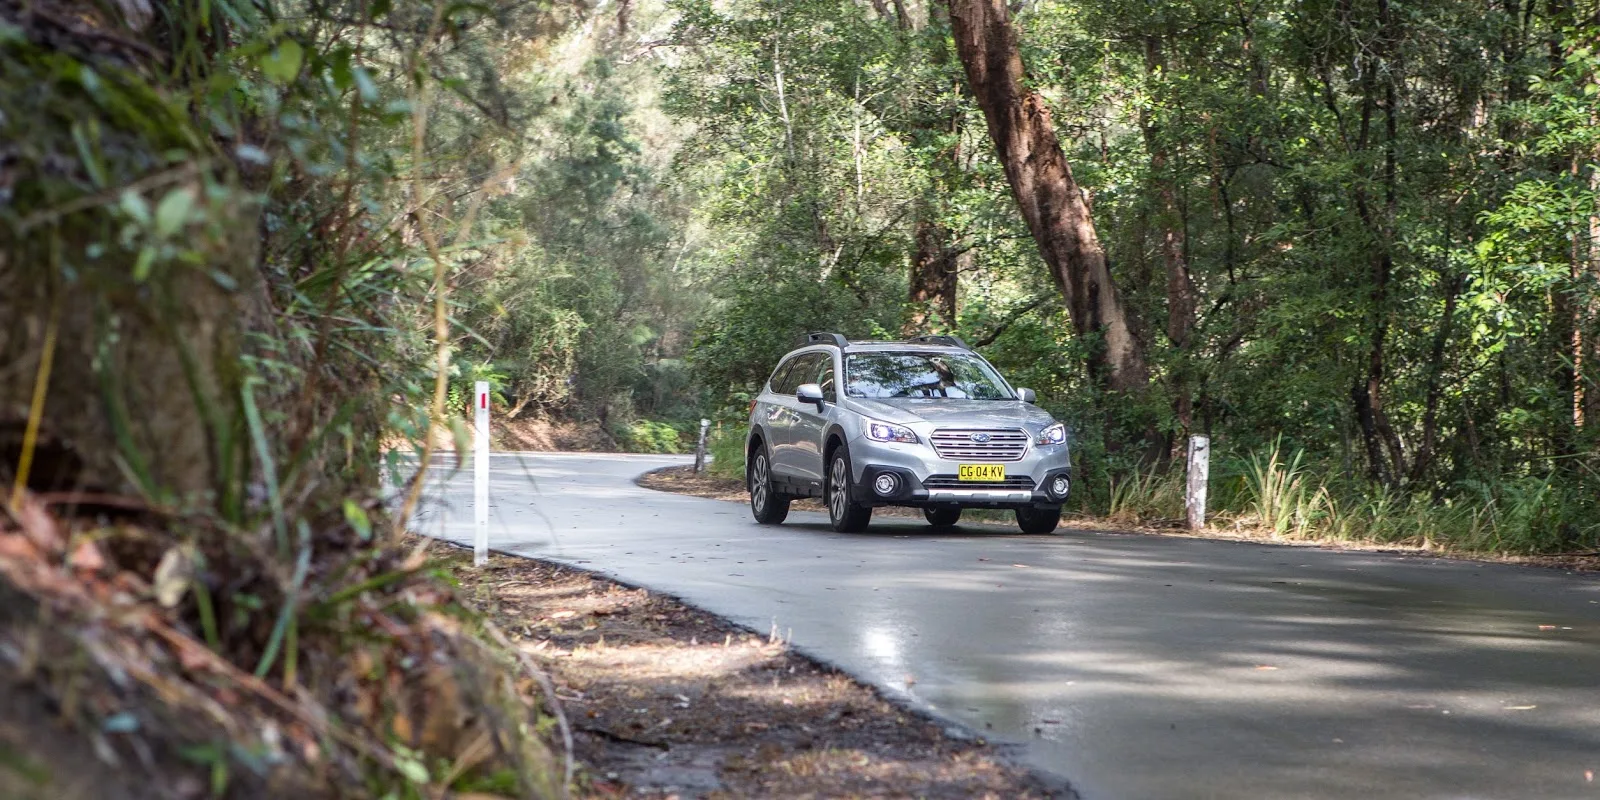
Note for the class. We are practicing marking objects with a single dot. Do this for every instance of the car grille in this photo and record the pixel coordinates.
(1003, 445)
(953, 482)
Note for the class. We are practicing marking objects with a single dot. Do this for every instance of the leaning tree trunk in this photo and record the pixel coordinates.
(1049, 199)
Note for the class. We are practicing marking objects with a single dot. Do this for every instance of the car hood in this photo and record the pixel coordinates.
(966, 413)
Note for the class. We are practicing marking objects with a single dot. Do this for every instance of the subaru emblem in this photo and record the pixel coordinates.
(980, 438)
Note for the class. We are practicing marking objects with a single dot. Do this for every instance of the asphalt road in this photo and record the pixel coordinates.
(1136, 667)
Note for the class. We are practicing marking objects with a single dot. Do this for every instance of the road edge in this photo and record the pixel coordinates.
(1006, 751)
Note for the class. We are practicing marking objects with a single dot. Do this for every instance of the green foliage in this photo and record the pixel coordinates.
(726, 446)
(645, 436)
(1387, 219)
(463, 390)
(1279, 491)
(585, 310)
(1145, 496)
(230, 215)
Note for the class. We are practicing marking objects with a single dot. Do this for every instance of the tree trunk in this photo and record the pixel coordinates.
(935, 257)
(1385, 451)
(1423, 458)
(933, 275)
(1053, 206)
(1170, 227)
(1589, 374)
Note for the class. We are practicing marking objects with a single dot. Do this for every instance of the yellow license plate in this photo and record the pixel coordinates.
(981, 472)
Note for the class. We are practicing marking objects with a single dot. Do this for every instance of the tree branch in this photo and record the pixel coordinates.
(1010, 319)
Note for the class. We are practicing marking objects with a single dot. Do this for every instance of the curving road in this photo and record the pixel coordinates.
(1136, 667)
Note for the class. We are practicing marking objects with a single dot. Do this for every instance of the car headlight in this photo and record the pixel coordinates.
(885, 432)
(1055, 434)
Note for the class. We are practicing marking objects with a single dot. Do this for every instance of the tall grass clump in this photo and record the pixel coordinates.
(1144, 496)
(1281, 494)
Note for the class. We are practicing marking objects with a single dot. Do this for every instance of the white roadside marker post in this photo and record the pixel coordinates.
(480, 475)
(700, 447)
(1199, 471)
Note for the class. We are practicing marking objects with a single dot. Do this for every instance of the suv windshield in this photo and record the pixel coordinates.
(953, 376)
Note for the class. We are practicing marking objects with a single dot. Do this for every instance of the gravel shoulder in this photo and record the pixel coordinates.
(670, 701)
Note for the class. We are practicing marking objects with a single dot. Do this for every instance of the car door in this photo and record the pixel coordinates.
(786, 412)
(811, 423)
(773, 414)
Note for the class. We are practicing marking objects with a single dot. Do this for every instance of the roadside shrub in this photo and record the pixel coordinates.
(647, 436)
(1281, 496)
(464, 387)
(726, 446)
(1146, 495)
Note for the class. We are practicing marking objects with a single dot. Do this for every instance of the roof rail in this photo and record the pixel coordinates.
(835, 339)
(948, 341)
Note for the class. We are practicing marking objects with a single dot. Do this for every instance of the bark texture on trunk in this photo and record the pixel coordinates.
(1171, 228)
(934, 270)
(1386, 453)
(1589, 374)
(1046, 193)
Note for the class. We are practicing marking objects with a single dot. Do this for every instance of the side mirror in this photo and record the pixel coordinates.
(809, 393)
(1026, 395)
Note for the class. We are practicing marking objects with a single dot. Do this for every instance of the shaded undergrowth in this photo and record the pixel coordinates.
(228, 232)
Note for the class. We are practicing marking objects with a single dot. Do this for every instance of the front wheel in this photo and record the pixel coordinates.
(766, 504)
(844, 513)
(1038, 520)
(942, 517)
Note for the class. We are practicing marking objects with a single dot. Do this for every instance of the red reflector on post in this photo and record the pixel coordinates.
(483, 400)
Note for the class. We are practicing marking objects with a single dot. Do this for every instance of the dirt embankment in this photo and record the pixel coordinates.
(669, 701)
(543, 435)
(684, 480)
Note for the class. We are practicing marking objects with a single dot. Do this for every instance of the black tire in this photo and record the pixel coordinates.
(1038, 520)
(942, 517)
(844, 513)
(767, 504)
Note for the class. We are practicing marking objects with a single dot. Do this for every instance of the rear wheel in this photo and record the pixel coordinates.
(766, 504)
(1038, 520)
(844, 513)
(942, 517)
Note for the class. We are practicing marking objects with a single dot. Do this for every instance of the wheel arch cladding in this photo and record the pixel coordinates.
(832, 442)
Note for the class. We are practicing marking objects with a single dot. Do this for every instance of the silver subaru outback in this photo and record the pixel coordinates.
(926, 423)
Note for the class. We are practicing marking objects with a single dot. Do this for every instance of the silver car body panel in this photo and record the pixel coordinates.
(995, 432)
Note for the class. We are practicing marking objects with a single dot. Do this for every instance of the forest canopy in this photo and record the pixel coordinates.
(1354, 242)
(1361, 235)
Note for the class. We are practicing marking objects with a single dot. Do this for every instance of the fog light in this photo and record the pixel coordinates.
(886, 484)
(1059, 486)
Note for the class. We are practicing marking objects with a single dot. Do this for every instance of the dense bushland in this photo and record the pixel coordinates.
(250, 250)
(1357, 234)
(229, 233)
(1357, 243)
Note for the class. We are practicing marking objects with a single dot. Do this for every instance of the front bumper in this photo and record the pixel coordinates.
(923, 479)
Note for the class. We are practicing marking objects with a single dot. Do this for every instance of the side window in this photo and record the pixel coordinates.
(825, 379)
(781, 374)
(804, 371)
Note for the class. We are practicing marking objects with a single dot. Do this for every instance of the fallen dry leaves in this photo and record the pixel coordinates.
(671, 701)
